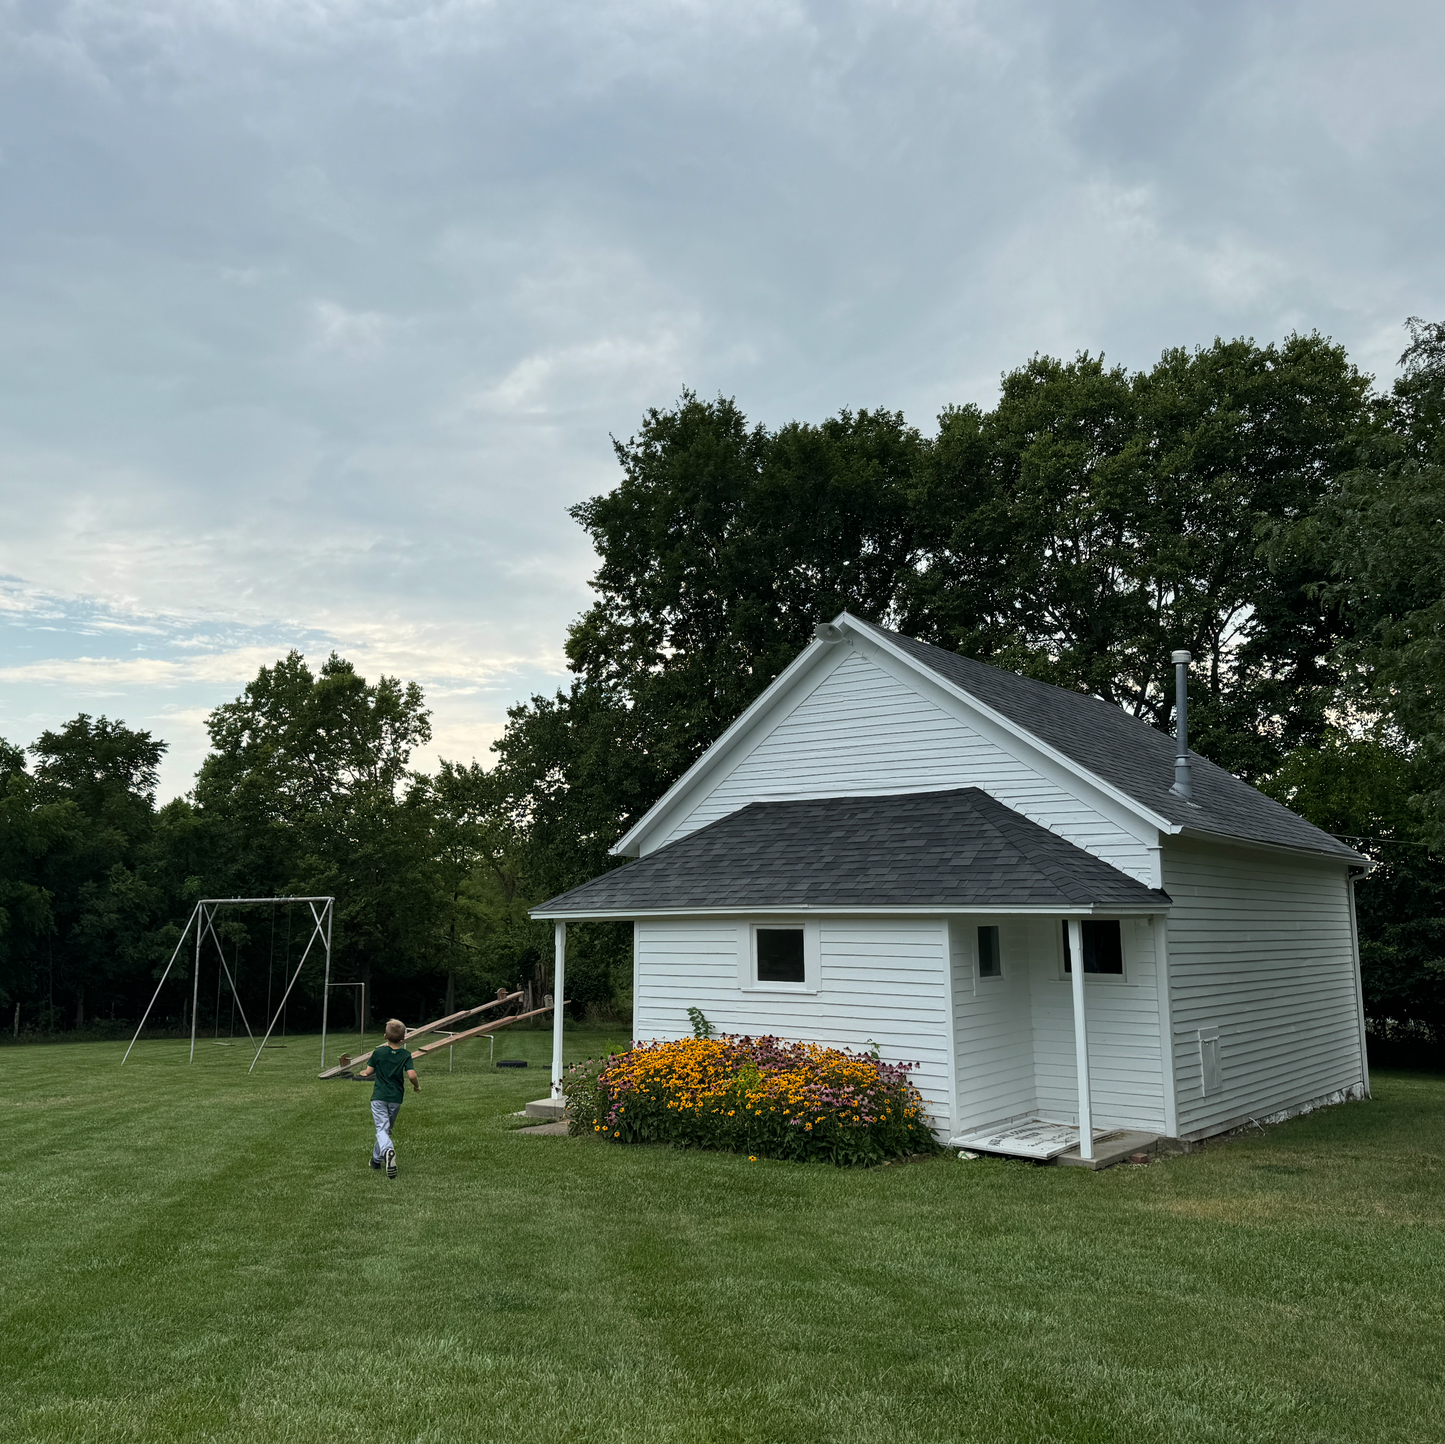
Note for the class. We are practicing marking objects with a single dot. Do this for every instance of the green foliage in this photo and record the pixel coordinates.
(1364, 789)
(701, 1028)
(1376, 543)
(1096, 519)
(1253, 503)
(764, 1097)
(720, 549)
(78, 908)
(307, 780)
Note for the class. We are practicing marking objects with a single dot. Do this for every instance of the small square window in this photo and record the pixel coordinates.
(780, 955)
(1103, 947)
(990, 961)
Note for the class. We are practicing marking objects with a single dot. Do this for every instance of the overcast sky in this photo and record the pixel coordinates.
(315, 315)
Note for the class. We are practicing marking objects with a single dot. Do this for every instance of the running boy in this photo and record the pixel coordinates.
(391, 1064)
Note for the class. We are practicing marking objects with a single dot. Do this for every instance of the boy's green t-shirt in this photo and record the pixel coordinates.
(391, 1066)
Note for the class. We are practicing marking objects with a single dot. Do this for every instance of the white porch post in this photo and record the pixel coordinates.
(558, 983)
(1081, 1038)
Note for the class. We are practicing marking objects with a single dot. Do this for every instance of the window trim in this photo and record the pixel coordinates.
(963, 952)
(748, 979)
(1126, 952)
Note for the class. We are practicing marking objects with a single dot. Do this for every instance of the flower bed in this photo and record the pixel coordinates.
(760, 1096)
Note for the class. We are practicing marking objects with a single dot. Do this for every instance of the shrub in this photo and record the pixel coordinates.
(760, 1096)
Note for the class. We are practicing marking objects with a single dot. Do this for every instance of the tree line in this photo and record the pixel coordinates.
(1264, 506)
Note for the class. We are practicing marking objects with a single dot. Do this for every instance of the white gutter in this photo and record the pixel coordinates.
(1350, 858)
(892, 910)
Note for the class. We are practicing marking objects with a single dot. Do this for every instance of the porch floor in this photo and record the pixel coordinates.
(1045, 1142)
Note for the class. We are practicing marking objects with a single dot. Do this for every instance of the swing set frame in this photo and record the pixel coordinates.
(202, 922)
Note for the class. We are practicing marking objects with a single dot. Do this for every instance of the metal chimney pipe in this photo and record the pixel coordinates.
(1182, 787)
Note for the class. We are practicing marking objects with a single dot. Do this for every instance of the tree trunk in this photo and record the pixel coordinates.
(451, 1003)
(80, 1008)
(364, 1006)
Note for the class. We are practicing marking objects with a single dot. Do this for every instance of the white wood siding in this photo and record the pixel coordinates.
(1260, 949)
(863, 732)
(993, 1026)
(880, 980)
(1125, 1067)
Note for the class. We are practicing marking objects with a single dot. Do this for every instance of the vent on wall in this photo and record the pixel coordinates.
(1210, 1082)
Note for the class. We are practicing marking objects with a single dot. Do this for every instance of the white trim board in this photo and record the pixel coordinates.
(892, 910)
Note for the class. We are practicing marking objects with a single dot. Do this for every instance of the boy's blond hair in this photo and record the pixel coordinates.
(395, 1030)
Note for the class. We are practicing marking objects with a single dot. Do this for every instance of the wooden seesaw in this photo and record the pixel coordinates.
(447, 1039)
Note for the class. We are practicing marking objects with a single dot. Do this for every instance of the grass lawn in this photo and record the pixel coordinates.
(190, 1253)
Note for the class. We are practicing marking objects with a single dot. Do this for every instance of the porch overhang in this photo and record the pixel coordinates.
(925, 854)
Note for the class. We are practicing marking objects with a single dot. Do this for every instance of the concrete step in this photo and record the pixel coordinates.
(1109, 1150)
(546, 1108)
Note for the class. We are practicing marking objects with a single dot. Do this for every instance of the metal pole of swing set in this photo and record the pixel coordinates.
(326, 987)
(559, 968)
(196, 982)
(1081, 1038)
(180, 942)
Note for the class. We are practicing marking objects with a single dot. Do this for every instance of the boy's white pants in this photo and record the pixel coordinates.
(384, 1116)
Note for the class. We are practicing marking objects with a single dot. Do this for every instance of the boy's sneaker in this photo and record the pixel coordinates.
(391, 1163)
(376, 1163)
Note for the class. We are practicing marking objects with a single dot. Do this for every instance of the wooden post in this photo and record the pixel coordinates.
(559, 933)
(1081, 1038)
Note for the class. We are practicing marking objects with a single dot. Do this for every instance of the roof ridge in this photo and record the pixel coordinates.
(1124, 752)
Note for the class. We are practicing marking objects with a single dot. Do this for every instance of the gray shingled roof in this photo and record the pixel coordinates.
(1133, 756)
(919, 849)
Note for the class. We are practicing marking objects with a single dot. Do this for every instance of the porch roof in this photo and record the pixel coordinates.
(959, 850)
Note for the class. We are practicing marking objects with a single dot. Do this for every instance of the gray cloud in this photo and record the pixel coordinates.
(315, 317)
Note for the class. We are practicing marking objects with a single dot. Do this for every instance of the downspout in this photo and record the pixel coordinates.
(1359, 983)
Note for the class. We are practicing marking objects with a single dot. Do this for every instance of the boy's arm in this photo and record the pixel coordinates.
(368, 1070)
(415, 1083)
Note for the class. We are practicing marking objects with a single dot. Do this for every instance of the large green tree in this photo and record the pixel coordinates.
(1365, 789)
(104, 911)
(1095, 519)
(308, 783)
(1378, 541)
(720, 548)
(35, 832)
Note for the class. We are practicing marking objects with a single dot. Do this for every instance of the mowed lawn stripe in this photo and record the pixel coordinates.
(195, 1254)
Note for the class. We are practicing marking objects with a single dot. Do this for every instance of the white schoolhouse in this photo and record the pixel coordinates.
(901, 847)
